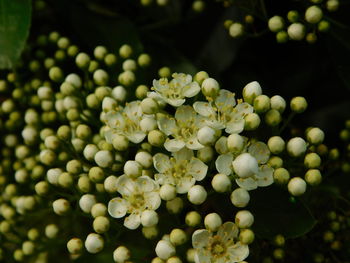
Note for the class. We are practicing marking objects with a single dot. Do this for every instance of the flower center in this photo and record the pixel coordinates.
(137, 200)
(217, 248)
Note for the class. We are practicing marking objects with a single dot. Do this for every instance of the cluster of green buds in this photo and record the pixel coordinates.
(84, 165)
(304, 24)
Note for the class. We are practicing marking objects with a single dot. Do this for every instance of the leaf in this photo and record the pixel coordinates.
(276, 213)
(15, 18)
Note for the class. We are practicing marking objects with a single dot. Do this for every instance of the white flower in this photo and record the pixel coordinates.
(184, 128)
(224, 113)
(182, 170)
(175, 91)
(126, 122)
(220, 247)
(249, 175)
(138, 195)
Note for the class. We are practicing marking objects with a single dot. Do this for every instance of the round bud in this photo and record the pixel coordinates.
(221, 145)
(313, 177)
(94, 243)
(119, 93)
(212, 222)
(193, 219)
(149, 218)
(246, 236)
(100, 77)
(278, 103)
(101, 224)
(125, 51)
(132, 169)
(296, 146)
(251, 91)
(205, 154)
(144, 158)
(197, 194)
(236, 30)
(275, 162)
(86, 202)
(167, 192)
(28, 248)
(240, 197)
(244, 219)
(51, 231)
(210, 87)
(221, 183)
(296, 31)
(298, 104)
(178, 237)
(61, 206)
(235, 142)
(175, 205)
(245, 165)
(149, 106)
(141, 92)
(273, 118)
(148, 124)
(297, 186)
(110, 184)
(156, 138)
(90, 151)
(312, 160)
(121, 254)
(276, 144)
(315, 136)
(281, 175)
(129, 64)
(144, 60)
(165, 249)
(75, 246)
(104, 159)
(276, 23)
(252, 121)
(200, 77)
(84, 184)
(98, 209)
(126, 78)
(332, 5)
(150, 232)
(206, 135)
(261, 104)
(313, 14)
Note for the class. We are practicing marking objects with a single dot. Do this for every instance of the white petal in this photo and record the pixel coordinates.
(153, 200)
(204, 109)
(136, 137)
(200, 238)
(235, 126)
(117, 207)
(146, 184)
(194, 144)
(248, 183)
(265, 176)
(174, 145)
(164, 179)
(223, 163)
(185, 114)
(167, 125)
(125, 185)
(203, 256)
(260, 151)
(197, 169)
(175, 102)
(109, 134)
(191, 90)
(225, 100)
(184, 184)
(115, 120)
(243, 109)
(183, 154)
(238, 252)
(161, 162)
(228, 231)
(133, 110)
(132, 221)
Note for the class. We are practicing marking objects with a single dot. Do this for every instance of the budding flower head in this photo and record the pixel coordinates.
(221, 183)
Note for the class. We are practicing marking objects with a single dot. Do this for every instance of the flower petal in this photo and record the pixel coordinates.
(146, 184)
(228, 231)
(185, 114)
(197, 169)
(248, 183)
(173, 145)
(167, 125)
(183, 154)
(260, 151)
(133, 221)
(175, 102)
(153, 200)
(223, 164)
(117, 207)
(265, 176)
(225, 100)
(161, 162)
(191, 90)
(238, 252)
(203, 256)
(194, 144)
(200, 238)
(136, 137)
(125, 185)
(184, 184)
(235, 126)
(204, 109)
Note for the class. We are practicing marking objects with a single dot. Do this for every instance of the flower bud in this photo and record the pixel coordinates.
(149, 106)
(221, 183)
(312, 160)
(245, 165)
(101, 224)
(61, 206)
(150, 232)
(296, 31)
(100, 77)
(178, 237)
(206, 135)
(129, 64)
(149, 218)
(144, 60)
(261, 103)
(121, 254)
(236, 30)
(276, 23)
(281, 175)
(251, 91)
(276, 144)
(94, 243)
(273, 118)
(86, 202)
(200, 77)
(246, 236)
(296, 146)
(296, 186)
(197, 194)
(313, 177)
(51, 231)
(75, 246)
(141, 92)
(315, 136)
(175, 205)
(298, 104)
(244, 219)
(98, 209)
(125, 51)
(332, 5)
(278, 103)
(167, 192)
(165, 249)
(104, 159)
(156, 138)
(110, 184)
(212, 222)
(252, 121)
(210, 87)
(193, 219)
(132, 169)
(235, 142)
(240, 197)
(126, 78)
(313, 14)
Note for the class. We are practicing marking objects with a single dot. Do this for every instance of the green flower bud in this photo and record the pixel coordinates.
(100, 77)
(175, 205)
(164, 72)
(100, 52)
(312, 160)
(126, 78)
(75, 245)
(141, 92)
(236, 30)
(144, 60)
(82, 60)
(246, 236)
(296, 31)
(178, 237)
(212, 222)
(252, 121)
(281, 176)
(96, 174)
(125, 51)
(200, 77)
(84, 184)
(297, 186)
(276, 23)
(150, 232)
(313, 177)
(56, 74)
(156, 138)
(293, 16)
(101, 224)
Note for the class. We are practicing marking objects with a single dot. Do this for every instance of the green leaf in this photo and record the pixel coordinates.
(275, 212)
(15, 18)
